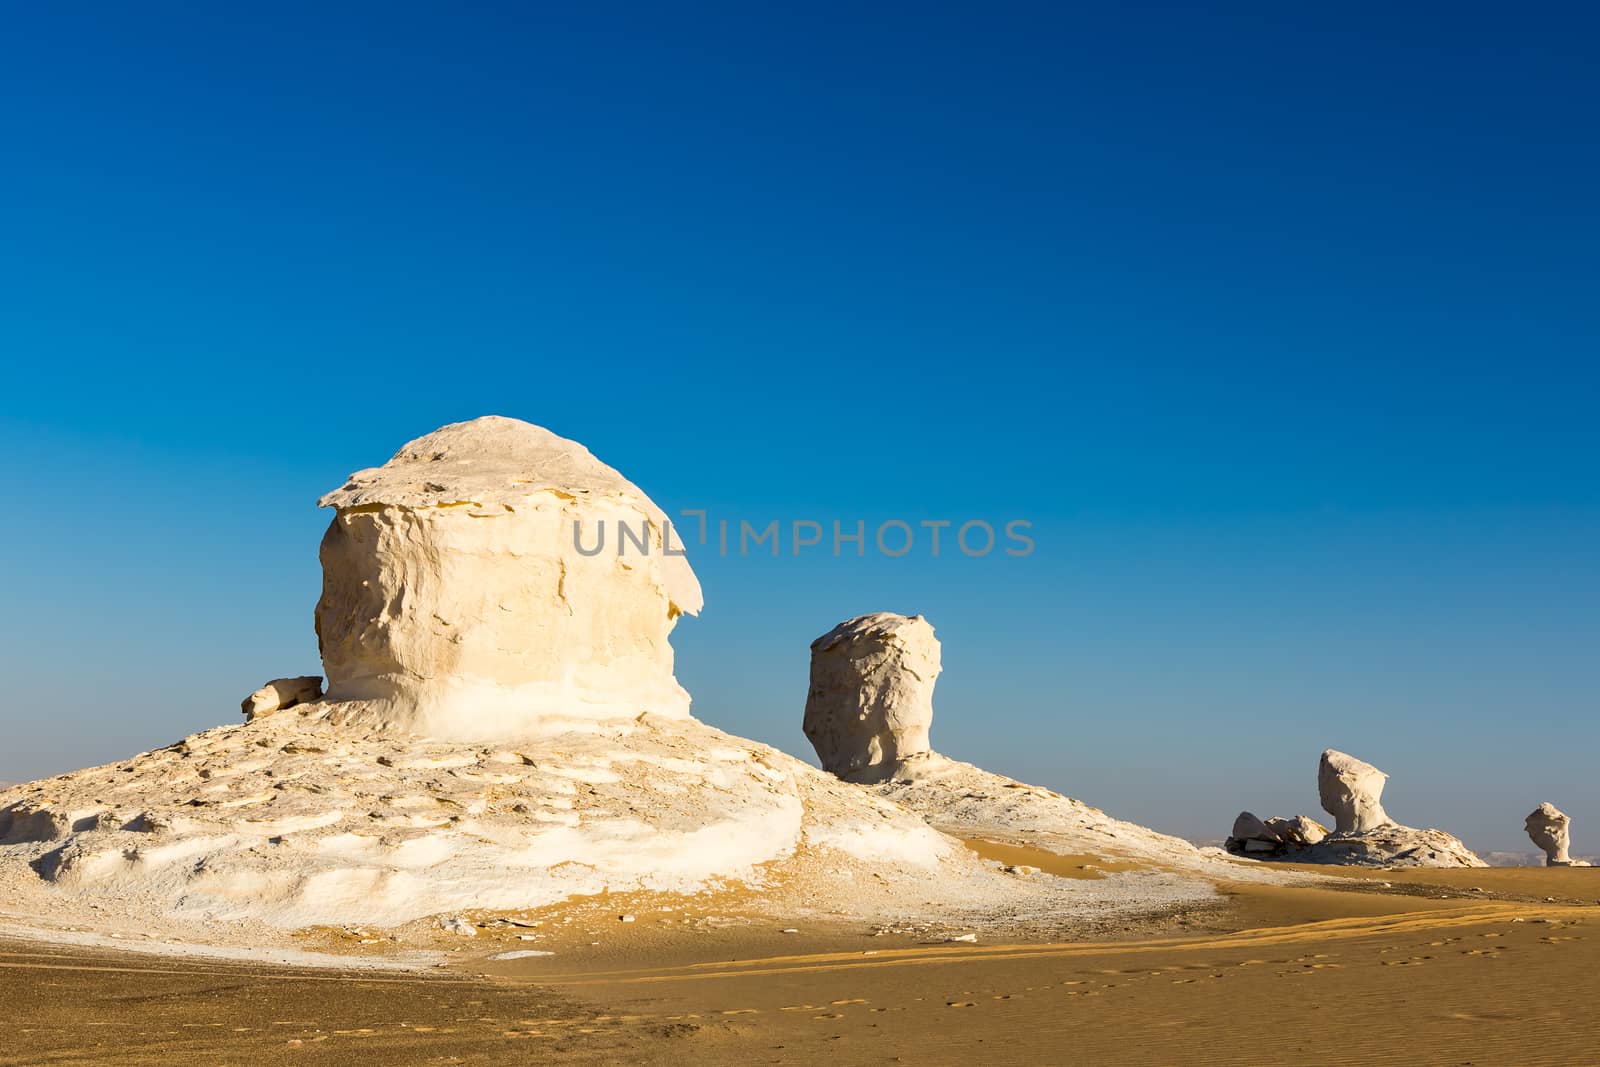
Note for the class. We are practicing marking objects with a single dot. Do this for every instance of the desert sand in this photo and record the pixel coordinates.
(1472, 966)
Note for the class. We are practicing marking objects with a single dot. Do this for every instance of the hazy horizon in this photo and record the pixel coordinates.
(1287, 360)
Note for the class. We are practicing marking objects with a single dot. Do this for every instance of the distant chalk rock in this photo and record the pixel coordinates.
(868, 713)
(1349, 790)
(1550, 829)
(1364, 835)
(870, 704)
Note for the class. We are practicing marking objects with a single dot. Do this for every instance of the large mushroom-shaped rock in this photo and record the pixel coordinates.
(1549, 828)
(1350, 790)
(493, 577)
(870, 704)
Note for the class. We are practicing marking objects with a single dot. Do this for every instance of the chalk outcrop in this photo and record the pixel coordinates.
(281, 694)
(870, 704)
(493, 579)
(868, 713)
(502, 730)
(1550, 829)
(1364, 835)
(1271, 838)
(1350, 790)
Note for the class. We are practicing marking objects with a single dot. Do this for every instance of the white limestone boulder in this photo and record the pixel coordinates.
(1273, 837)
(1350, 791)
(870, 704)
(281, 694)
(1550, 829)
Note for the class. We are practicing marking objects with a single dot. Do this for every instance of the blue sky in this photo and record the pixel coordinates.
(1280, 327)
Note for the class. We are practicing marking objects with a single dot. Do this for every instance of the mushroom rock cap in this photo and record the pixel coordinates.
(494, 579)
(497, 460)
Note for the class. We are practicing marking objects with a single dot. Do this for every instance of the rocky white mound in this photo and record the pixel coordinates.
(968, 802)
(1350, 790)
(295, 821)
(502, 730)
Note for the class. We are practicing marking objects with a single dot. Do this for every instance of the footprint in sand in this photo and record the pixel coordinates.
(830, 1015)
(961, 1004)
(742, 1011)
(853, 1000)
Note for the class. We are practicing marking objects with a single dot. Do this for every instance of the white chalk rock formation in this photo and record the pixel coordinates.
(1350, 790)
(1550, 829)
(870, 704)
(281, 694)
(1272, 838)
(494, 579)
(502, 730)
(1364, 835)
(868, 714)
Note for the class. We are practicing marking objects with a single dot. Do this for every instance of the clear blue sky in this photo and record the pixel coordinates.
(1280, 326)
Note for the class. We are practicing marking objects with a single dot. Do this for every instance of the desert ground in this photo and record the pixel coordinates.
(1469, 966)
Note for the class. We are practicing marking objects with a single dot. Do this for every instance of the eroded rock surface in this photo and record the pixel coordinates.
(1550, 829)
(493, 579)
(870, 704)
(868, 713)
(281, 694)
(1271, 838)
(1350, 790)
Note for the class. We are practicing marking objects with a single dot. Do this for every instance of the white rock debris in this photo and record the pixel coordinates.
(281, 694)
(1273, 837)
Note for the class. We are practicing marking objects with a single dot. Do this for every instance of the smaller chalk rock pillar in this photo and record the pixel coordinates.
(1349, 790)
(1549, 828)
(871, 699)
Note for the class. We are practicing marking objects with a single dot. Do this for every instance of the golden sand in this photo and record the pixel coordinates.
(1418, 967)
